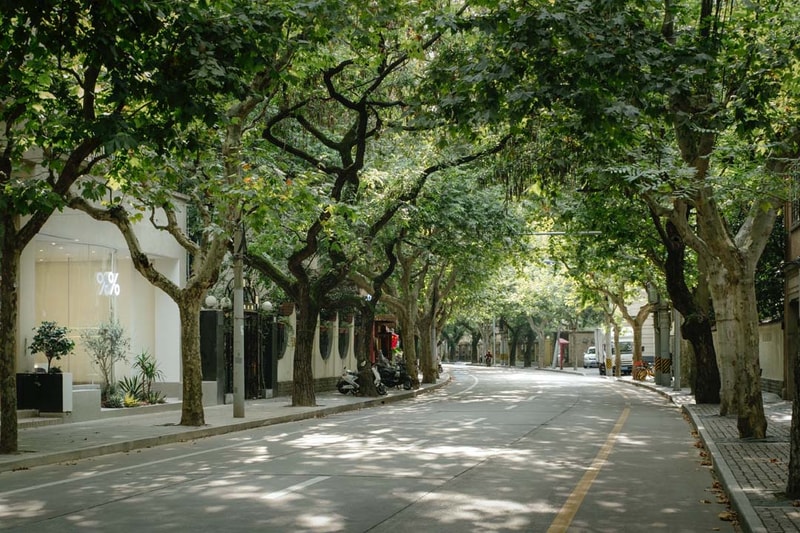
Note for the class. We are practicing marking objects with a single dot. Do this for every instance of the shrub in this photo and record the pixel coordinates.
(132, 386)
(130, 401)
(148, 372)
(156, 397)
(114, 400)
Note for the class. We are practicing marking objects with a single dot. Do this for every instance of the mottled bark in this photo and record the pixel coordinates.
(426, 365)
(793, 484)
(192, 405)
(694, 307)
(737, 336)
(473, 351)
(410, 353)
(366, 325)
(303, 394)
(516, 334)
(9, 273)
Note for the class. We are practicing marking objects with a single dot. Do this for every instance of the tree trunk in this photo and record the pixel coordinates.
(408, 326)
(696, 329)
(793, 484)
(737, 335)
(366, 325)
(528, 354)
(512, 349)
(192, 413)
(426, 352)
(476, 338)
(694, 307)
(303, 376)
(637, 349)
(9, 273)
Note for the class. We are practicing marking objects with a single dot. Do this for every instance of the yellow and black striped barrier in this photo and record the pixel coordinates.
(664, 365)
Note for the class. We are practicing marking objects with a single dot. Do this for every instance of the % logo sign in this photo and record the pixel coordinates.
(108, 283)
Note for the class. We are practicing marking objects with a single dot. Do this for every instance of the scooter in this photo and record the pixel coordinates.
(348, 382)
(395, 376)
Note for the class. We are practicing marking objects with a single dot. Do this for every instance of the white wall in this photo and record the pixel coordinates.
(58, 281)
(329, 368)
(770, 351)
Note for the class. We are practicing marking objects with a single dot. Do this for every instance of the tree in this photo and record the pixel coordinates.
(208, 166)
(329, 125)
(675, 94)
(108, 345)
(450, 238)
(78, 82)
(51, 340)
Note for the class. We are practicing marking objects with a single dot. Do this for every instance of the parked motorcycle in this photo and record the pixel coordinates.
(395, 376)
(348, 382)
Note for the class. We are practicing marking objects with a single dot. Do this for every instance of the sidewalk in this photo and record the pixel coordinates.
(753, 472)
(49, 444)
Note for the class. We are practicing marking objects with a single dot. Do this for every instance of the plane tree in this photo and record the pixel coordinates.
(350, 93)
(678, 92)
(447, 239)
(79, 84)
(211, 165)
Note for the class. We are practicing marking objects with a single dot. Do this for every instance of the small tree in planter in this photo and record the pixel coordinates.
(108, 346)
(51, 340)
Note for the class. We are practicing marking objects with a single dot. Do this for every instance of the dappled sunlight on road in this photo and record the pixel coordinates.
(494, 514)
(485, 458)
(26, 509)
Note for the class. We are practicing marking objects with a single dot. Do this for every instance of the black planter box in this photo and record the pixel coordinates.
(47, 393)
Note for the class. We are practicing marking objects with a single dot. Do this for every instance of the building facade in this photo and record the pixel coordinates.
(78, 273)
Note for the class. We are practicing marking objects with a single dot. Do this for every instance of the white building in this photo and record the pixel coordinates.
(78, 273)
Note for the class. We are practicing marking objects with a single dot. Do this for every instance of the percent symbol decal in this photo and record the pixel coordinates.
(108, 283)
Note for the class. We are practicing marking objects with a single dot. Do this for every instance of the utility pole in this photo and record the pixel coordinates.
(238, 322)
(663, 340)
(676, 351)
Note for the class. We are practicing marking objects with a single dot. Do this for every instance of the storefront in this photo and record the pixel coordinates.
(78, 273)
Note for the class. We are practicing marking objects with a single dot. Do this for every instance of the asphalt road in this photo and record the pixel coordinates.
(497, 450)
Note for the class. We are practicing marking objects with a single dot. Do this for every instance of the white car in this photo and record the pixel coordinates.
(590, 358)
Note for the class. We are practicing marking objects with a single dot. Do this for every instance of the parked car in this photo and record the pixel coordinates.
(590, 358)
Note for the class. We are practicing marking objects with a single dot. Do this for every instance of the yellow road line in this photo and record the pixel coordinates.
(570, 509)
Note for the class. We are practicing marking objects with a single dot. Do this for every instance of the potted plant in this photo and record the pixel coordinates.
(51, 340)
(50, 392)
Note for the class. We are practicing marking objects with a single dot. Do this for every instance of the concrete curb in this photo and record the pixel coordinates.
(39, 459)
